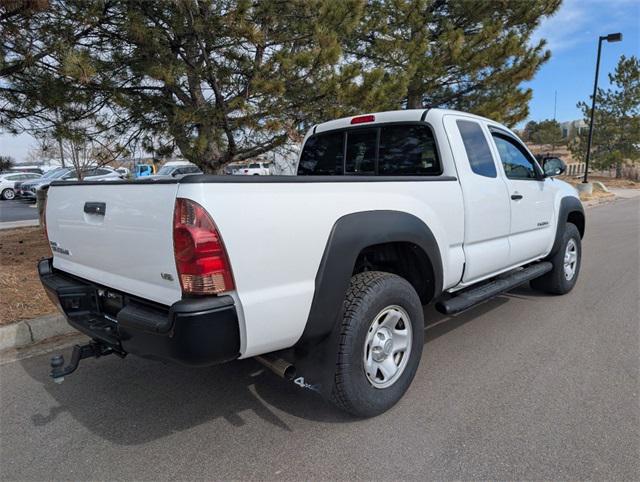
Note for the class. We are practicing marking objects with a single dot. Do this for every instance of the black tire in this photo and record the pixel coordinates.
(368, 295)
(8, 194)
(555, 282)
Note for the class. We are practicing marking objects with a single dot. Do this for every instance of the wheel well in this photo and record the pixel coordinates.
(577, 218)
(404, 259)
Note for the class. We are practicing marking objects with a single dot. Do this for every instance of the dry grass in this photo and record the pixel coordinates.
(21, 294)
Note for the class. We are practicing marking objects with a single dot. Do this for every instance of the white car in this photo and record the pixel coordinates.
(8, 182)
(321, 276)
(254, 169)
(176, 170)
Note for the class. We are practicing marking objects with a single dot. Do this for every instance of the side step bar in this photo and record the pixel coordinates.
(474, 296)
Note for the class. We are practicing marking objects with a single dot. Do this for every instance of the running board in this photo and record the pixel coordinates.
(474, 296)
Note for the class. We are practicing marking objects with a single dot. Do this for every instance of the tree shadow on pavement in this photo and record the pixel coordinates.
(134, 401)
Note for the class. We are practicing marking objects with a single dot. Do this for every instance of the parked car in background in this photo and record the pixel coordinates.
(34, 169)
(176, 170)
(98, 174)
(8, 183)
(255, 169)
(28, 189)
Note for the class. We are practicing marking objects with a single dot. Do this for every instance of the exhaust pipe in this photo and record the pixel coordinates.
(280, 367)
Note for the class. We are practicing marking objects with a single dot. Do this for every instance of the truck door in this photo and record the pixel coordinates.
(485, 196)
(531, 198)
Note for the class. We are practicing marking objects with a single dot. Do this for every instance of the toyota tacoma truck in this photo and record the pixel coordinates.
(321, 276)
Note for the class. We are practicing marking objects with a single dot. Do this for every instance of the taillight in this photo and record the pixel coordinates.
(201, 259)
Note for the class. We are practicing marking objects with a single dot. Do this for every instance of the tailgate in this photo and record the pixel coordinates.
(118, 235)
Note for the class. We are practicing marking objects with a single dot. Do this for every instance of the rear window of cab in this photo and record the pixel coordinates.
(391, 150)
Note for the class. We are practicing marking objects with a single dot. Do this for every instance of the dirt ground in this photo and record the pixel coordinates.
(21, 294)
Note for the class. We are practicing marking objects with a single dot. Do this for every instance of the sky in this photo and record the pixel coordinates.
(572, 37)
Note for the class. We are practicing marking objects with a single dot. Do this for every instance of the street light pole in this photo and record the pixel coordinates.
(612, 37)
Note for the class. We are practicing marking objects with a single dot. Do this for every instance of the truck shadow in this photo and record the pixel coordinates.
(134, 401)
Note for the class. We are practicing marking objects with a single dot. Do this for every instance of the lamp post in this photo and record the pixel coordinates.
(612, 37)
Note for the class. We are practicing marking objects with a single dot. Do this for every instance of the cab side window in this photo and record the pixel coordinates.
(477, 148)
(515, 160)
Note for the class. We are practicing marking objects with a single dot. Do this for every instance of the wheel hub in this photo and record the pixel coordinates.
(382, 344)
(387, 346)
(570, 259)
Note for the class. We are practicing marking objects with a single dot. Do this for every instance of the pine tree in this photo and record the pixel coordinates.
(616, 130)
(227, 80)
(470, 56)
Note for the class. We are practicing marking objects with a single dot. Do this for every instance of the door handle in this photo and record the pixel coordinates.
(95, 208)
(516, 196)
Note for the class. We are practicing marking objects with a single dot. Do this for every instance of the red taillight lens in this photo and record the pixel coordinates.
(362, 119)
(201, 259)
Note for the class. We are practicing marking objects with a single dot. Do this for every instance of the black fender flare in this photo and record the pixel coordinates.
(569, 206)
(349, 236)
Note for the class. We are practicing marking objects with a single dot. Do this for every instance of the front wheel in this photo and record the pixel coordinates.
(8, 194)
(381, 340)
(566, 264)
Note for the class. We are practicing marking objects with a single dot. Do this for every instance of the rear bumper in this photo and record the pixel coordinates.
(196, 331)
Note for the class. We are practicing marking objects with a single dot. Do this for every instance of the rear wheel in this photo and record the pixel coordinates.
(8, 194)
(381, 340)
(566, 264)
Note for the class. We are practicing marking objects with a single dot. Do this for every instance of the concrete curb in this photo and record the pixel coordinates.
(19, 224)
(27, 332)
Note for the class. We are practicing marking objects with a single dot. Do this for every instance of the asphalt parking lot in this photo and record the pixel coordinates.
(17, 210)
(525, 386)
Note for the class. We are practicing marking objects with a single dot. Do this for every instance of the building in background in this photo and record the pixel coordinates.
(573, 128)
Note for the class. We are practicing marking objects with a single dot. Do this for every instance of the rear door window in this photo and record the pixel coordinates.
(407, 150)
(323, 155)
(477, 148)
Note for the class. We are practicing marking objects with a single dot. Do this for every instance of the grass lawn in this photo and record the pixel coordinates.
(21, 294)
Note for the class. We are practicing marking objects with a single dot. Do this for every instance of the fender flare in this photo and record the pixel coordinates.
(349, 236)
(568, 206)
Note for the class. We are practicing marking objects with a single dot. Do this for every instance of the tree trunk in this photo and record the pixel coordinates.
(618, 169)
(61, 151)
(414, 99)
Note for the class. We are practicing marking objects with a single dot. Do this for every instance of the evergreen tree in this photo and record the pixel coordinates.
(546, 132)
(616, 130)
(227, 80)
(471, 56)
(6, 163)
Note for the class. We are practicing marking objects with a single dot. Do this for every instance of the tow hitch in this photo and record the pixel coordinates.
(93, 349)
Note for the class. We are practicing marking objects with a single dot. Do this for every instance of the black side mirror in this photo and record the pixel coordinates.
(553, 166)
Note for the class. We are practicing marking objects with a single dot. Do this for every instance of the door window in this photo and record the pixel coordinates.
(477, 148)
(515, 160)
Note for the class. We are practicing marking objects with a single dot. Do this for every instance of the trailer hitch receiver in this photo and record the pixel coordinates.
(93, 349)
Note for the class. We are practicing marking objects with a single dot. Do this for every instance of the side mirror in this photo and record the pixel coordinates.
(553, 166)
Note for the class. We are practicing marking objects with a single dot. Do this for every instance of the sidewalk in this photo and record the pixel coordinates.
(625, 193)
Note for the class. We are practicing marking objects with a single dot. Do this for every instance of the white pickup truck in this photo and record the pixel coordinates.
(321, 276)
